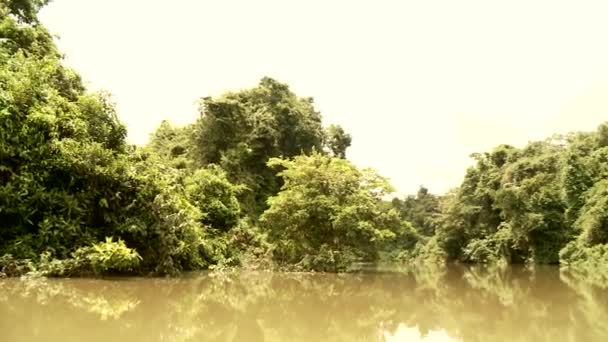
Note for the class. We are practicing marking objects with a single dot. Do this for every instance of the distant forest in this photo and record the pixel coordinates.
(258, 182)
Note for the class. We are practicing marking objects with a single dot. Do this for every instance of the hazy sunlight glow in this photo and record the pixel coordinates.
(419, 84)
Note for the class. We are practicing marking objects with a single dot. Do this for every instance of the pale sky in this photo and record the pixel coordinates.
(420, 85)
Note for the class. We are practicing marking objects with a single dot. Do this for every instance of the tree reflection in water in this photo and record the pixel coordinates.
(449, 304)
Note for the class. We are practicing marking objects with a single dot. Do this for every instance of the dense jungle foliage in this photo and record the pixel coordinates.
(257, 181)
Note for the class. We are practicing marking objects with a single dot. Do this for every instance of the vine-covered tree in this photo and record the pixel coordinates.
(241, 131)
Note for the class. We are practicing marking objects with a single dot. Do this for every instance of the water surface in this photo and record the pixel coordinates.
(454, 304)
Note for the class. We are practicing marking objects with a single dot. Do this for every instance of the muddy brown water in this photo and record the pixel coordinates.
(452, 304)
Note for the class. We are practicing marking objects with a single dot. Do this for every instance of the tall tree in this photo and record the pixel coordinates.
(241, 131)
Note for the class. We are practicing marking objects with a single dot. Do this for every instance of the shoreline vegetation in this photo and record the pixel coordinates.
(258, 182)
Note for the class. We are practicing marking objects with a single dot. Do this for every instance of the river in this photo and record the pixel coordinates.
(450, 304)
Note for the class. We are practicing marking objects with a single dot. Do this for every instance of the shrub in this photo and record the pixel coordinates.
(109, 256)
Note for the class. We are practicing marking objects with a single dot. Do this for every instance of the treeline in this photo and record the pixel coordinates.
(544, 203)
(256, 181)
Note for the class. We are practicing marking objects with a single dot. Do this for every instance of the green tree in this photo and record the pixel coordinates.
(173, 144)
(468, 212)
(68, 180)
(422, 210)
(241, 131)
(531, 203)
(210, 191)
(328, 213)
(337, 141)
(20, 29)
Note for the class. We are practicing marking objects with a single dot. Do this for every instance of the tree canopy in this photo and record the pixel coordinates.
(241, 131)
